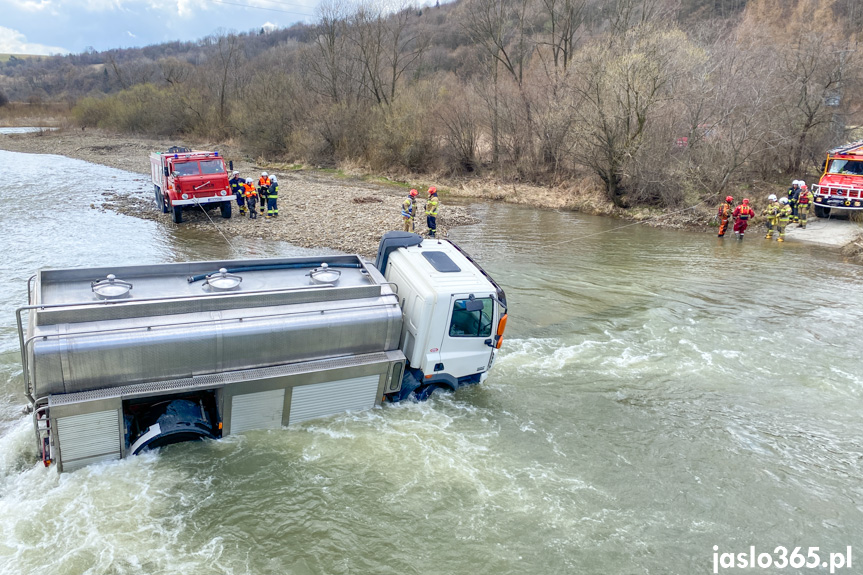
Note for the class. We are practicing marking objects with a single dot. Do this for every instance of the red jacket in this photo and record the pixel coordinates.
(743, 212)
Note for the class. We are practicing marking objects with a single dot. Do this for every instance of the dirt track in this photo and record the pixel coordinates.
(315, 209)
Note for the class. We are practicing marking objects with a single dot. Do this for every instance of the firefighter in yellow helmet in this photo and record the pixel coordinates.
(432, 207)
(409, 211)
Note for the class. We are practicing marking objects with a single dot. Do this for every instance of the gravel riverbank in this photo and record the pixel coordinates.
(315, 209)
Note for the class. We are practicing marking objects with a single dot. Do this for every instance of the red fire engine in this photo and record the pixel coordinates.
(841, 184)
(187, 178)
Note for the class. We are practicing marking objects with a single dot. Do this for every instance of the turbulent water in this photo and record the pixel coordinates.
(658, 393)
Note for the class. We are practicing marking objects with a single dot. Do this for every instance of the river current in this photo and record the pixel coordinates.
(658, 393)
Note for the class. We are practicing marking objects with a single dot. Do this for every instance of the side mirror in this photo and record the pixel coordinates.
(231, 165)
(167, 173)
(473, 305)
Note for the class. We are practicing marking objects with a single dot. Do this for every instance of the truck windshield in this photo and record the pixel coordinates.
(186, 169)
(212, 167)
(852, 167)
(471, 323)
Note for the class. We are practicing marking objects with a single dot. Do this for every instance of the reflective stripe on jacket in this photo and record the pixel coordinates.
(432, 206)
(742, 212)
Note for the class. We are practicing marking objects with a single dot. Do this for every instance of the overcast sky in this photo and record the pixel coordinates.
(63, 26)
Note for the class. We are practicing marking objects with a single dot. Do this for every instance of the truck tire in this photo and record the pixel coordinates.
(225, 207)
(177, 215)
(821, 211)
(160, 200)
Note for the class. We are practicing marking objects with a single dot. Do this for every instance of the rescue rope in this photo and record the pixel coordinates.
(227, 241)
(692, 207)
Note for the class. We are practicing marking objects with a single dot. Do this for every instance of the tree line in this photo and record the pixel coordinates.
(658, 102)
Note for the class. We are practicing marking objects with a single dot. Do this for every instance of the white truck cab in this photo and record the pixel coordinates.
(454, 314)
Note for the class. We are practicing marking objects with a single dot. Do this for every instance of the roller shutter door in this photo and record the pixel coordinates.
(321, 399)
(88, 438)
(257, 411)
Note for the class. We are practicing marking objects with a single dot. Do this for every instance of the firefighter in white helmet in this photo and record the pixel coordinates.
(771, 212)
(264, 190)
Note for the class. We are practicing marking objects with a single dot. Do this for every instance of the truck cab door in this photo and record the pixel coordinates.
(467, 347)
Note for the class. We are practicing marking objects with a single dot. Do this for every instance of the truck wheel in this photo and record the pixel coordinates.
(822, 212)
(160, 203)
(177, 215)
(226, 209)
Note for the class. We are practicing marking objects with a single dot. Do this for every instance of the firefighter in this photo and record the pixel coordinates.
(771, 212)
(237, 189)
(251, 198)
(272, 198)
(724, 213)
(409, 211)
(432, 207)
(784, 217)
(741, 215)
(804, 201)
(263, 189)
(793, 192)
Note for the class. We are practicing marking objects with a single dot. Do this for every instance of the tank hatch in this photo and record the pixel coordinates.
(325, 275)
(222, 281)
(111, 288)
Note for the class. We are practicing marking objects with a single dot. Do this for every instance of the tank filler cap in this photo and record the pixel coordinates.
(110, 288)
(222, 281)
(324, 275)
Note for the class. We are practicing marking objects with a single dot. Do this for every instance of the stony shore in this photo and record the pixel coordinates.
(316, 209)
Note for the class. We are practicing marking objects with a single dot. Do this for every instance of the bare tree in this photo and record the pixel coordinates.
(384, 48)
(562, 20)
(617, 90)
(730, 123)
(327, 63)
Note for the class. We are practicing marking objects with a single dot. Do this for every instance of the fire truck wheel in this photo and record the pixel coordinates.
(177, 215)
(225, 207)
(160, 203)
(822, 212)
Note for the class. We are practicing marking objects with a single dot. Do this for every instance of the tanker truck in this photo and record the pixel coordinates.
(122, 359)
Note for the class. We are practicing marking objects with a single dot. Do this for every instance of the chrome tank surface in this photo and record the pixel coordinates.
(167, 327)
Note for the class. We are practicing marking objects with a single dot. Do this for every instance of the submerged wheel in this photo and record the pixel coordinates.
(225, 207)
(177, 215)
(169, 422)
(424, 392)
(821, 211)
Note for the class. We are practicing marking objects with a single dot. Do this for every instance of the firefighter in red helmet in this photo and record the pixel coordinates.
(409, 211)
(724, 213)
(742, 214)
(432, 207)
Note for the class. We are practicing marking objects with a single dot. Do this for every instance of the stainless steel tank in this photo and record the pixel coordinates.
(166, 326)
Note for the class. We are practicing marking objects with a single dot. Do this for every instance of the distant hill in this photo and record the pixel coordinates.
(6, 57)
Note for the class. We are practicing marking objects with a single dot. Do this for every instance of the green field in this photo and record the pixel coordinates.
(5, 57)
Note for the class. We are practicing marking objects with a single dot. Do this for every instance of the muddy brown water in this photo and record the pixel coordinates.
(658, 393)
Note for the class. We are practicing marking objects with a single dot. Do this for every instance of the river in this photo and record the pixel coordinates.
(658, 393)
